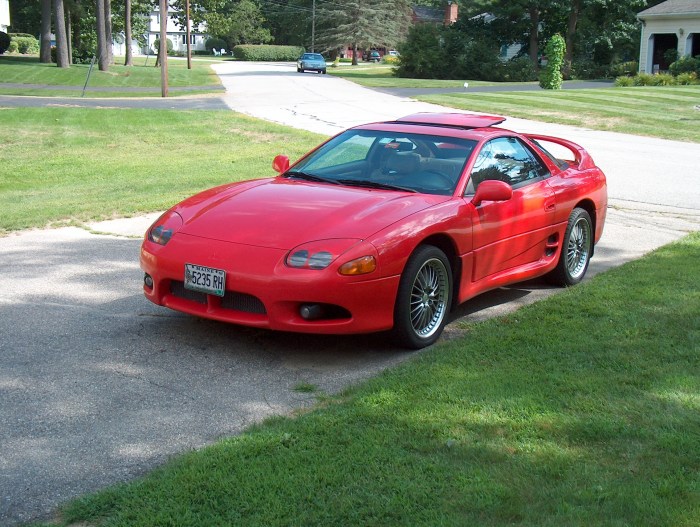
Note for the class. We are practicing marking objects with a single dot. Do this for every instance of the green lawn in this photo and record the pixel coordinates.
(75, 164)
(382, 77)
(669, 112)
(28, 70)
(580, 410)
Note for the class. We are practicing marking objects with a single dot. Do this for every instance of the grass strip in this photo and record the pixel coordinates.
(383, 77)
(143, 74)
(77, 164)
(669, 112)
(580, 410)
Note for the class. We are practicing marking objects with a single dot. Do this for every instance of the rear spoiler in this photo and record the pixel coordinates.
(582, 159)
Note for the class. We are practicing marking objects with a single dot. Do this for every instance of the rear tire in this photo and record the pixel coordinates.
(423, 299)
(576, 250)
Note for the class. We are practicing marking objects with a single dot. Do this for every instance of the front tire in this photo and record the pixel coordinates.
(576, 250)
(423, 299)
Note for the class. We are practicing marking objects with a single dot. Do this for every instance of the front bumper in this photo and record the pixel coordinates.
(262, 291)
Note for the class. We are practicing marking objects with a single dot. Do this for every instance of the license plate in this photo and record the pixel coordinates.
(205, 279)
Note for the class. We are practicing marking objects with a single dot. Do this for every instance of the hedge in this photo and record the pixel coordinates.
(26, 44)
(267, 52)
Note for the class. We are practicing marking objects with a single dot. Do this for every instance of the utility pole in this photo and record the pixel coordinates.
(164, 48)
(313, 27)
(187, 19)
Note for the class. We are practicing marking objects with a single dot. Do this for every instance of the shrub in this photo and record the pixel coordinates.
(625, 68)
(13, 47)
(644, 79)
(686, 65)
(688, 78)
(390, 59)
(551, 78)
(624, 82)
(589, 69)
(4, 42)
(267, 52)
(214, 43)
(664, 79)
(26, 45)
(168, 45)
(518, 69)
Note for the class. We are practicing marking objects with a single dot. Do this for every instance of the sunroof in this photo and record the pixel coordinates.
(456, 120)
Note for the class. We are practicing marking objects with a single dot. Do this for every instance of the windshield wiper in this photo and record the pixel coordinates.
(309, 177)
(373, 184)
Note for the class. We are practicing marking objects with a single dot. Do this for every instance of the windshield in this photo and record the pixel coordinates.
(312, 56)
(429, 164)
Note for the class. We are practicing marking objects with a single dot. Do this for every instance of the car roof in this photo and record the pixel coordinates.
(447, 124)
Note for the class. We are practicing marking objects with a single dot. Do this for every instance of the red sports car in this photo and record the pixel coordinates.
(384, 226)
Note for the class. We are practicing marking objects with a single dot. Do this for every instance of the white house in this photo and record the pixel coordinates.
(4, 15)
(671, 25)
(176, 35)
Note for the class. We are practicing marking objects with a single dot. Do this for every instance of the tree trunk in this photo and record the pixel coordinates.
(534, 34)
(75, 25)
(45, 49)
(69, 35)
(108, 30)
(570, 32)
(354, 54)
(62, 60)
(102, 57)
(187, 35)
(127, 33)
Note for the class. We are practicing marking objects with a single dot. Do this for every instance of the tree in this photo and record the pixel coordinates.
(45, 40)
(362, 23)
(128, 61)
(239, 23)
(62, 55)
(108, 31)
(551, 77)
(102, 54)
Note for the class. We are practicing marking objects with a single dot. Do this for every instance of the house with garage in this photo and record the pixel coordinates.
(4, 15)
(670, 26)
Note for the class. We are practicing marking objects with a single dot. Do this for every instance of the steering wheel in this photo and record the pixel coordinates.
(426, 178)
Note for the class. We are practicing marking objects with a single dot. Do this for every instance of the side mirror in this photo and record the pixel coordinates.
(492, 190)
(280, 164)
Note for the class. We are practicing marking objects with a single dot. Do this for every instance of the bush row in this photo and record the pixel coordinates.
(21, 43)
(267, 52)
(660, 79)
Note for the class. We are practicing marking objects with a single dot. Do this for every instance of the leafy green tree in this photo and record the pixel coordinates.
(239, 22)
(551, 77)
(361, 23)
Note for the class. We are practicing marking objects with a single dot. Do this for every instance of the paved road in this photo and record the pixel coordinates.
(207, 102)
(99, 386)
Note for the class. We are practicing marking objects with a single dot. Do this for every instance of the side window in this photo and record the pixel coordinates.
(506, 159)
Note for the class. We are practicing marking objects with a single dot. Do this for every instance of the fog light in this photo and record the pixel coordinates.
(311, 311)
(148, 281)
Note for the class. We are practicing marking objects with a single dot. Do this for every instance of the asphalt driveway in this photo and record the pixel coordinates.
(99, 386)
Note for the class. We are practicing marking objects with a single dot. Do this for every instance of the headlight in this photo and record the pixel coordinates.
(318, 255)
(164, 228)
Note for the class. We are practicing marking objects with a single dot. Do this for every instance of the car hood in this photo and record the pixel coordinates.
(281, 213)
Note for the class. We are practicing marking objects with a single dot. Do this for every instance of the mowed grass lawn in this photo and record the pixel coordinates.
(28, 70)
(580, 410)
(63, 165)
(669, 112)
(381, 76)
